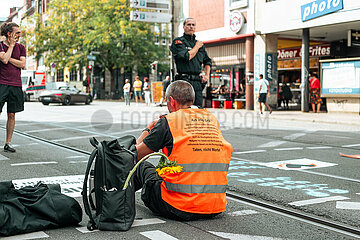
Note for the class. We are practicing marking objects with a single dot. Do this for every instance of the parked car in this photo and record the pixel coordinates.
(65, 95)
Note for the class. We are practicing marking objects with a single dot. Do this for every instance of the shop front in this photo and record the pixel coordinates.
(289, 67)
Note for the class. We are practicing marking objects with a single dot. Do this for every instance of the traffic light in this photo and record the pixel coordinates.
(90, 67)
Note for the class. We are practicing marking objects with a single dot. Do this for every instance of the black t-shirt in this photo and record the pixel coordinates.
(165, 84)
(159, 137)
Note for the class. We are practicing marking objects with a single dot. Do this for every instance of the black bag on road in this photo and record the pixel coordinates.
(114, 207)
(35, 208)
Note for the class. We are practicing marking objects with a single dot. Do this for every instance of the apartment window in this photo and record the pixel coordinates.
(238, 3)
(73, 75)
(40, 6)
(60, 75)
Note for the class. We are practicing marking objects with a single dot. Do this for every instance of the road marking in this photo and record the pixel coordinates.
(70, 185)
(298, 164)
(73, 157)
(255, 151)
(33, 235)
(243, 213)
(85, 230)
(272, 144)
(294, 136)
(31, 163)
(320, 147)
(353, 145)
(32, 144)
(143, 222)
(288, 149)
(75, 162)
(2, 157)
(235, 236)
(338, 136)
(358, 193)
(318, 200)
(45, 130)
(74, 138)
(157, 234)
(348, 205)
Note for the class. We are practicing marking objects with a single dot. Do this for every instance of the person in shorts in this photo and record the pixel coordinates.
(264, 90)
(12, 60)
(137, 89)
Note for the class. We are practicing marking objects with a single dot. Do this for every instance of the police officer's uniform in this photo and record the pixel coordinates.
(189, 70)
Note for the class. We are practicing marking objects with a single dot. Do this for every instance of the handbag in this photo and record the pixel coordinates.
(35, 208)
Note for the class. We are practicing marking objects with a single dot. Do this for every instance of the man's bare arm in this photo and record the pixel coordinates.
(18, 63)
(195, 49)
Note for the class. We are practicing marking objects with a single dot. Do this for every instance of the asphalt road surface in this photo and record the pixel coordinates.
(292, 164)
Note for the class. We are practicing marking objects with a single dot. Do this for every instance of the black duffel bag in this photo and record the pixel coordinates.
(35, 208)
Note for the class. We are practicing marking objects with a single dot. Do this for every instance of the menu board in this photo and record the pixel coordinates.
(340, 78)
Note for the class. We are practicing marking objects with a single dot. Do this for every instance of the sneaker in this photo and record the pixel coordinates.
(270, 111)
(9, 148)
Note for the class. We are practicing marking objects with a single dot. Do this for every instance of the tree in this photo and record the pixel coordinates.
(74, 28)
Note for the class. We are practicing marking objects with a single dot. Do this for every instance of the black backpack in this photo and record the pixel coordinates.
(114, 207)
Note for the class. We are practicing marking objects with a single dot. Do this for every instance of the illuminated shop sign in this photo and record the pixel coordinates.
(319, 8)
(314, 51)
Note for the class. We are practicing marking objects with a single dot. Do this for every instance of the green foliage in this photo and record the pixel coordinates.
(74, 28)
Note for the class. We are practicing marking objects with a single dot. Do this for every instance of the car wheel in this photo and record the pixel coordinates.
(67, 100)
(88, 101)
(45, 103)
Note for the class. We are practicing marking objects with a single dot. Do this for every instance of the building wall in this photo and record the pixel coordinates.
(209, 13)
(271, 16)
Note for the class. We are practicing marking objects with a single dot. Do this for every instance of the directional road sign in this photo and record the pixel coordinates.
(91, 57)
(150, 17)
(151, 4)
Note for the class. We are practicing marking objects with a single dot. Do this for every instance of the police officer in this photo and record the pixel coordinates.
(190, 55)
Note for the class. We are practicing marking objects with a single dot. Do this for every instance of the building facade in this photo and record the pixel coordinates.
(296, 37)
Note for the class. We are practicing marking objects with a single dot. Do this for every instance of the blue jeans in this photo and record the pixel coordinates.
(127, 98)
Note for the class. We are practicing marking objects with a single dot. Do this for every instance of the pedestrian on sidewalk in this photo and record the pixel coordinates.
(126, 89)
(314, 87)
(165, 84)
(137, 89)
(263, 91)
(147, 91)
(12, 60)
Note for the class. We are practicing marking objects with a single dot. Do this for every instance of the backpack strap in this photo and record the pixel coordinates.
(92, 225)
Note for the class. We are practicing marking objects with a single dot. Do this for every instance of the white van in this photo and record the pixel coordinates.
(33, 83)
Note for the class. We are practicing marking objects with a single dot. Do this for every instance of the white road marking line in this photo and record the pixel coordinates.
(143, 222)
(255, 151)
(358, 193)
(348, 205)
(45, 130)
(137, 223)
(235, 236)
(294, 136)
(320, 147)
(75, 162)
(243, 213)
(31, 144)
(288, 149)
(157, 234)
(85, 230)
(2, 157)
(318, 200)
(333, 136)
(353, 145)
(73, 138)
(32, 163)
(73, 157)
(272, 144)
(33, 235)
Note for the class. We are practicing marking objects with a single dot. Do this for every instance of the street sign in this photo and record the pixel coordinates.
(151, 4)
(91, 63)
(150, 17)
(91, 57)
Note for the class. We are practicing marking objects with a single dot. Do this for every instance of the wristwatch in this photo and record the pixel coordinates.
(146, 129)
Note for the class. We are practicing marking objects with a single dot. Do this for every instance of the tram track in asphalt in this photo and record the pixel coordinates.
(281, 210)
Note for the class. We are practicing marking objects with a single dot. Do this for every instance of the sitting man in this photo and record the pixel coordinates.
(192, 137)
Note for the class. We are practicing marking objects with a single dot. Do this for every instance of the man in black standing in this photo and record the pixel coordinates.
(190, 55)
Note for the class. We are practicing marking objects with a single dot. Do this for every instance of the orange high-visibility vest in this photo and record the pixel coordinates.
(199, 147)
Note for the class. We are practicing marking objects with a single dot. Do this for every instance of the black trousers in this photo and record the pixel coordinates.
(147, 178)
(198, 88)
